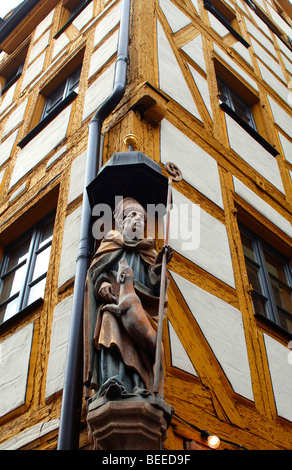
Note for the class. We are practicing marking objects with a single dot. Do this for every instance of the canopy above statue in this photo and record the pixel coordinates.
(129, 174)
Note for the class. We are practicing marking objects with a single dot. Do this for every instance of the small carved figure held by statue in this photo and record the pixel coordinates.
(121, 308)
(130, 311)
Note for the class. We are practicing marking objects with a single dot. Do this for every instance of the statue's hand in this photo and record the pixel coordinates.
(105, 293)
(165, 249)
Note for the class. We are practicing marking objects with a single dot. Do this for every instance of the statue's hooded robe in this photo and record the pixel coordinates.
(103, 331)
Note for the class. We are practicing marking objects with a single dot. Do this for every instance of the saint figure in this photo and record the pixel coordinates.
(116, 364)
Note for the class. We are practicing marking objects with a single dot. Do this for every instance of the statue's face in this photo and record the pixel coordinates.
(133, 224)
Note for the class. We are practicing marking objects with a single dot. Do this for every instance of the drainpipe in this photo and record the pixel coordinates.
(73, 381)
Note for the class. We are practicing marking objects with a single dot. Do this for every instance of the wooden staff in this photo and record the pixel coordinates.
(174, 175)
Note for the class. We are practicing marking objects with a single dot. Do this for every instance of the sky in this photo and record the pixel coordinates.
(7, 5)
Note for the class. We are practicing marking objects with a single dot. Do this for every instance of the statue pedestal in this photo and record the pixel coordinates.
(128, 424)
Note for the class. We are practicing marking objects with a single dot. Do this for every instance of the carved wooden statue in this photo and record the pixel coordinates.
(121, 309)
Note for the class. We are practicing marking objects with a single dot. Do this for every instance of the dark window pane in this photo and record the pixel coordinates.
(18, 254)
(253, 275)
(269, 273)
(259, 303)
(248, 246)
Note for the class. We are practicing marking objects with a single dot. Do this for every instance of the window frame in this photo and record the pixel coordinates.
(259, 245)
(230, 95)
(209, 5)
(73, 13)
(69, 86)
(33, 236)
(271, 25)
(13, 77)
(11, 70)
(228, 107)
(68, 96)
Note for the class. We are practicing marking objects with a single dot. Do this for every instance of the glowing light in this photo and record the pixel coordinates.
(213, 441)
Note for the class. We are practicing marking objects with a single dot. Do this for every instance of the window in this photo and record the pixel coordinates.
(226, 17)
(53, 100)
(61, 93)
(273, 27)
(12, 68)
(270, 275)
(243, 110)
(72, 8)
(12, 78)
(237, 104)
(24, 269)
(75, 10)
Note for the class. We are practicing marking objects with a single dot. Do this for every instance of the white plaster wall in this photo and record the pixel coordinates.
(281, 376)
(273, 81)
(77, 177)
(283, 48)
(6, 147)
(70, 247)
(243, 52)
(7, 99)
(262, 206)
(201, 238)
(203, 88)
(175, 17)
(257, 34)
(253, 153)
(217, 25)
(171, 79)
(194, 49)
(33, 70)
(98, 91)
(14, 366)
(41, 145)
(39, 46)
(281, 117)
(287, 147)
(267, 59)
(41, 28)
(15, 118)
(222, 326)
(287, 63)
(56, 156)
(198, 168)
(58, 347)
(60, 43)
(179, 357)
(107, 23)
(260, 24)
(83, 17)
(280, 22)
(103, 53)
(30, 435)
